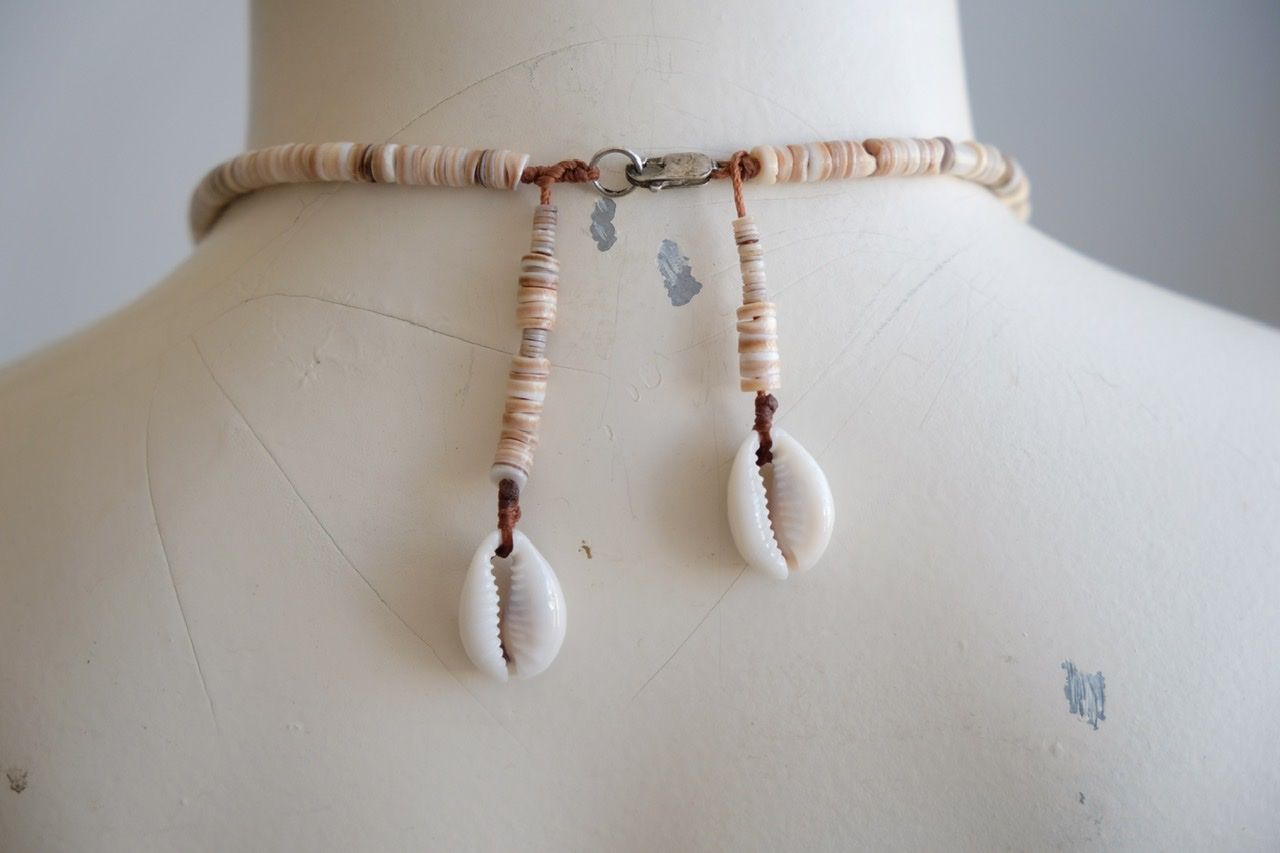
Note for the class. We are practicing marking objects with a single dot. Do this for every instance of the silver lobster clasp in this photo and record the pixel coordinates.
(685, 169)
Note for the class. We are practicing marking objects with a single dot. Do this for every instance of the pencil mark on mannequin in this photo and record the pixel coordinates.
(1084, 407)
(613, 344)
(720, 649)
(813, 272)
(757, 95)
(209, 369)
(698, 343)
(164, 549)
(708, 370)
(677, 274)
(306, 296)
(1098, 376)
(701, 118)
(1086, 694)
(530, 62)
(315, 203)
(687, 638)
(626, 476)
(527, 61)
(466, 382)
(826, 371)
(278, 241)
(602, 230)
(955, 354)
(912, 293)
(337, 547)
(282, 238)
(375, 312)
(875, 383)
(587, 370)
(853, 339)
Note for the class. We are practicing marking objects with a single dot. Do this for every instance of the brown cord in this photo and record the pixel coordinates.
(741, 166)
(749, 164)
(508, 515)
(766, 405)
(564, 172)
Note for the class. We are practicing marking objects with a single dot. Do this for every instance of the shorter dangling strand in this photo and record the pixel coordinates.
(781, 511)
(759, 367)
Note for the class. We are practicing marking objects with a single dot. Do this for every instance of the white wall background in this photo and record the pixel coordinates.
(1150, 130)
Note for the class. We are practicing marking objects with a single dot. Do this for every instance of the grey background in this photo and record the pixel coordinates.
(1149, 130)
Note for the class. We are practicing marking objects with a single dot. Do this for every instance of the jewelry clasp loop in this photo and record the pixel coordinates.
(634, 162)
(684, 169)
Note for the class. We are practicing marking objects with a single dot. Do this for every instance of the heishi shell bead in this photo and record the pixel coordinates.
(519, 637)
(812, 162)
(799, 163)
(536, 308)
(754, 280)
(820, 162)
(530, 369)
(781, 515)
(768, 160)
(759, 365)
(783, 153)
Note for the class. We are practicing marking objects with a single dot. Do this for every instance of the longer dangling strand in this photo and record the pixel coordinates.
(521, 635)
(527, 381)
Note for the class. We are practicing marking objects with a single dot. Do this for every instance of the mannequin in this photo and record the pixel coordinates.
(236, 516)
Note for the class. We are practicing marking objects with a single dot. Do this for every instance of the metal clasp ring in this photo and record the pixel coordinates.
(685, 169)
(634, 163)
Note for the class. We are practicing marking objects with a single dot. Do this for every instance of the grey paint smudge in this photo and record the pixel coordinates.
(602, 230)
(1086, 694)
(677, 275)
(17, 779)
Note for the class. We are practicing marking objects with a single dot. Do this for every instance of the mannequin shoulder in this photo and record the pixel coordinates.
(1082, 339)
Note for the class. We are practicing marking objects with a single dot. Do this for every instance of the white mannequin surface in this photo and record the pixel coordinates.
(236, 516)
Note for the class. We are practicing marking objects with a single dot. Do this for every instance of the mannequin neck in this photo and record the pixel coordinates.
(565, 77)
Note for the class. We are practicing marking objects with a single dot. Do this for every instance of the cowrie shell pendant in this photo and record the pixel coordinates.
(516, 635)
(781, 514)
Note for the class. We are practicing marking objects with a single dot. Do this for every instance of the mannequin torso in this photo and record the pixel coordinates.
(236, 516)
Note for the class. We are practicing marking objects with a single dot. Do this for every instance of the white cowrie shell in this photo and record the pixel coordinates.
(521, 636)
(781, 515)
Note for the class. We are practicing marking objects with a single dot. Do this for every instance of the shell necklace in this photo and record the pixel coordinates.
(781, 513)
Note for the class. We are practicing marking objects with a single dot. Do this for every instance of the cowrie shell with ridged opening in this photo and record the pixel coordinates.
(781, 515)
(517, 635)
